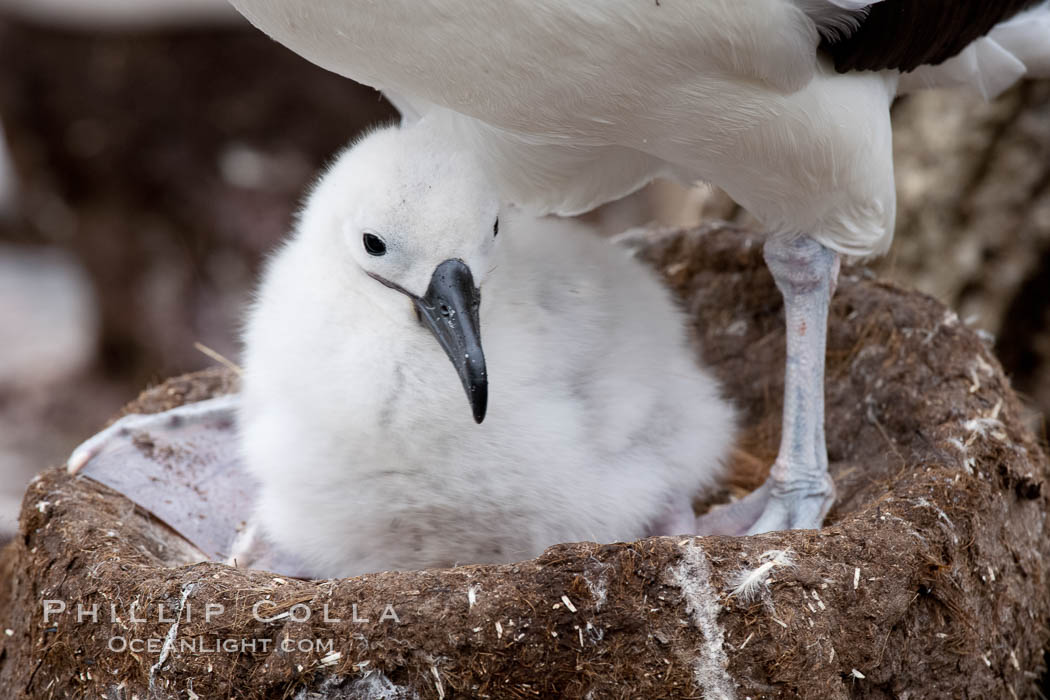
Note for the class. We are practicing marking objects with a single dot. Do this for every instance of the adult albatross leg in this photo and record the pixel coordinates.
(799, 490)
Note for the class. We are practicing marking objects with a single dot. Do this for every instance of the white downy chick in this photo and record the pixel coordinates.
(587, 416)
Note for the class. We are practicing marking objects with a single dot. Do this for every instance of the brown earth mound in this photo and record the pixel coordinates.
(929, 581)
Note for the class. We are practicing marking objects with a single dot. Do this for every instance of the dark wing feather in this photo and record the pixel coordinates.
(905, 34)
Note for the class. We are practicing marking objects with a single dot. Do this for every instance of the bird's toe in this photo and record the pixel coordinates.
(771, 507)
(735, 518)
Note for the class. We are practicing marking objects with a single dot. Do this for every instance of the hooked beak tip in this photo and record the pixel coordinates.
(449, 309)
(479, 402)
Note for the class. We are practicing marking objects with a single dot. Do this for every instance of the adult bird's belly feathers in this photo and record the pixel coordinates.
(569, 105)
(590, 101)
(599, 423)
(576, 104)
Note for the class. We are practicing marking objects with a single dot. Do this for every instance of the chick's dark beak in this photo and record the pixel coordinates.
(450, 310)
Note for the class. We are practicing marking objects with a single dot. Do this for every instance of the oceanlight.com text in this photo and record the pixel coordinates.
(229, 645)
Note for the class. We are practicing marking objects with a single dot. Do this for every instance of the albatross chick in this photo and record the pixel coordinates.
(586, 415)
(432, 379)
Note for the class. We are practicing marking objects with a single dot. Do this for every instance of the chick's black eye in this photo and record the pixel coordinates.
(495, 228)
(374, 245)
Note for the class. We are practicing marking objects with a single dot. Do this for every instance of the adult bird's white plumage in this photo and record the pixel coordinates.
(572, 104)
(599, 423)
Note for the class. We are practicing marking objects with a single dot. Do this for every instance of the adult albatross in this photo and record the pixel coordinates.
(782, 103)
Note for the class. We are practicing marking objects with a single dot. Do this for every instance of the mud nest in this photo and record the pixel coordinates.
(928, 581)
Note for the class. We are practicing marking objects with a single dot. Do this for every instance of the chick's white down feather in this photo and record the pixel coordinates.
(600, 421)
